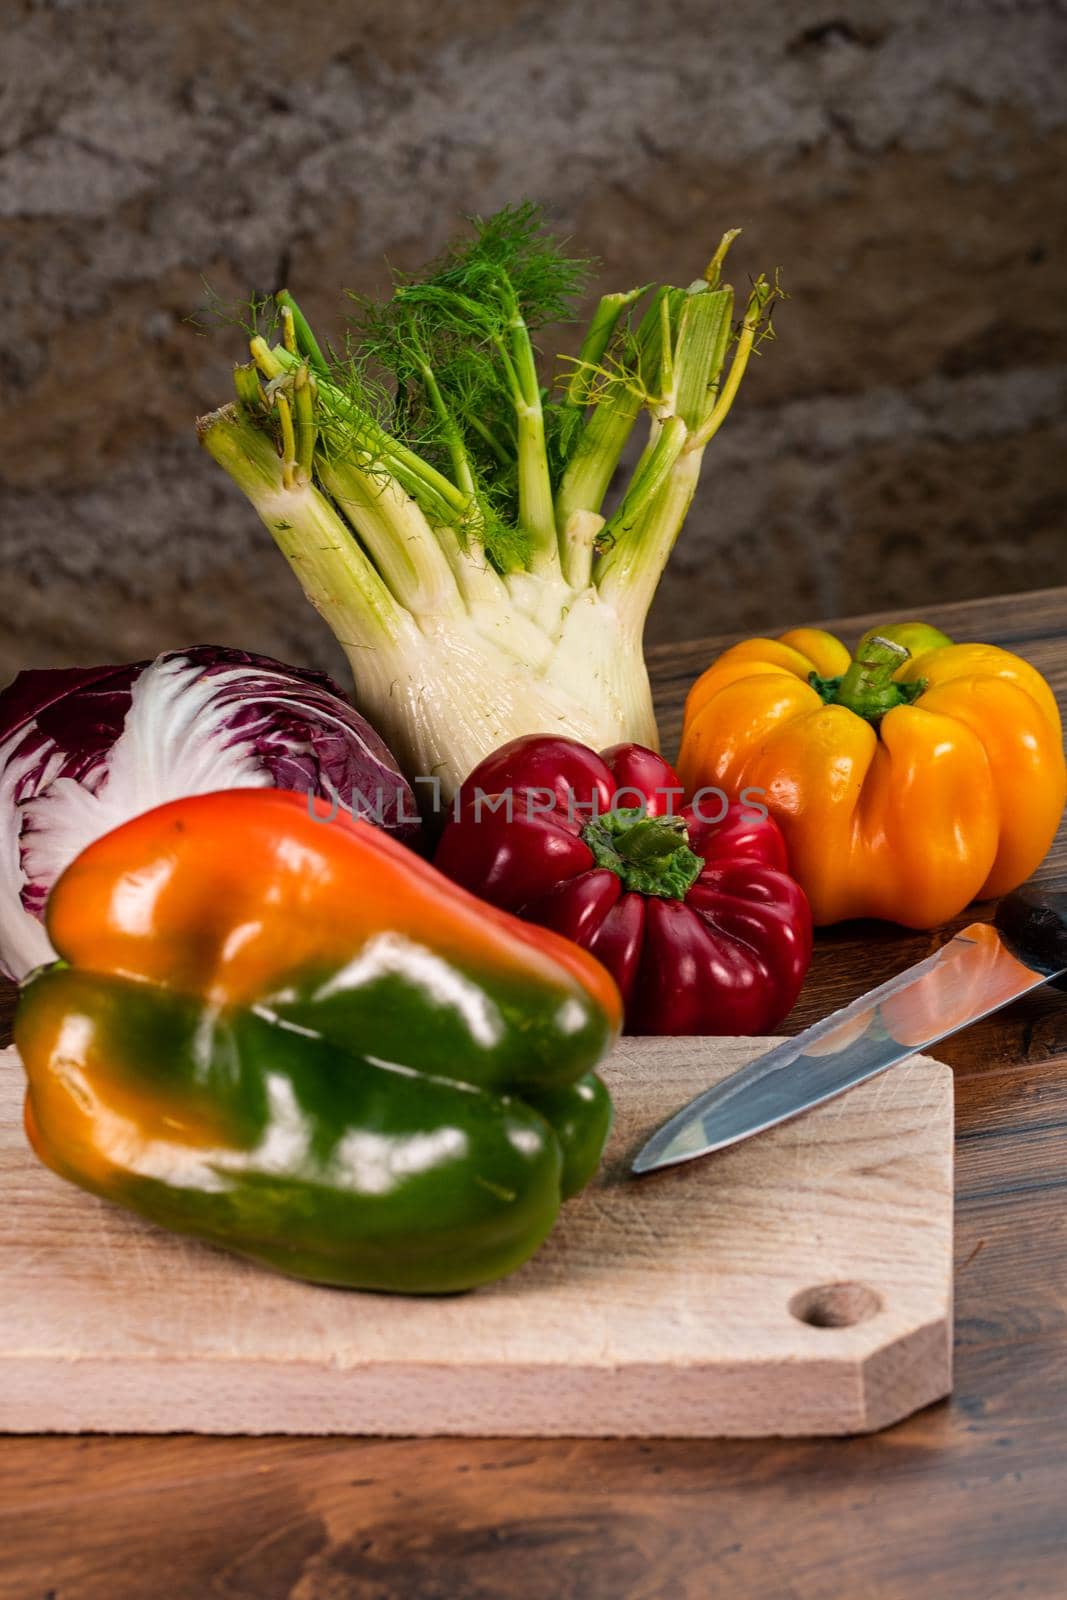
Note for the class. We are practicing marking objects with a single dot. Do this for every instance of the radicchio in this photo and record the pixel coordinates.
(84, 749)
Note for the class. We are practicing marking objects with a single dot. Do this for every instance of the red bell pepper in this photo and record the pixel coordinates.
(690, 909)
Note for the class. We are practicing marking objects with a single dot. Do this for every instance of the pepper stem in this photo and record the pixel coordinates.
(650, 854)
(652, 840)
(867, 687)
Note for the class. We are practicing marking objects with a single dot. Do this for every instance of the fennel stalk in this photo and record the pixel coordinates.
(448, 516)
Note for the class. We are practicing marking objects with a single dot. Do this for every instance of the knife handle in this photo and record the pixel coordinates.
(1034, 928)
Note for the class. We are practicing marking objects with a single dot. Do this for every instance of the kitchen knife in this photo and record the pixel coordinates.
(979, 970)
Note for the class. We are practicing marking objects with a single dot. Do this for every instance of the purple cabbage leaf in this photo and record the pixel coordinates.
(82, 750)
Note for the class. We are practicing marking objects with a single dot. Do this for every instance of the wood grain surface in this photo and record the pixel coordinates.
(964, 1501)
(800, 1283)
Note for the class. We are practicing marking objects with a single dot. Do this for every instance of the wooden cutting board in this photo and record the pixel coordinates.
(797, 1284)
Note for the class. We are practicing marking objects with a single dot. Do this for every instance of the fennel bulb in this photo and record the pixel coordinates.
(447, 515)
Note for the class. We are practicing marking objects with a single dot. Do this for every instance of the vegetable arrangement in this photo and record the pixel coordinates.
(691, 911)
(908, 780)
(446, 512)
(84, 749)
(389, 1089)
(276, 1028)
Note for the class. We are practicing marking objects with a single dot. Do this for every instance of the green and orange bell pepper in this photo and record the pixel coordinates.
(908, 780)
(291, 1037)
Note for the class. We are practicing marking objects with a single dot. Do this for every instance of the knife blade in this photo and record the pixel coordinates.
(976, 972)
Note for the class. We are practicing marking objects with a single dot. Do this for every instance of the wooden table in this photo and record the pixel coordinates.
(967, 1499)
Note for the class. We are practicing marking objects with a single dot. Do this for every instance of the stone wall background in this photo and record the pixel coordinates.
(903, 441)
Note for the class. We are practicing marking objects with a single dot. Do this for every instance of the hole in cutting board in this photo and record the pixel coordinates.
(835, 1305)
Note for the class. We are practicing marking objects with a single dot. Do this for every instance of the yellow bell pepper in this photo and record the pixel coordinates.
(909, 779)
